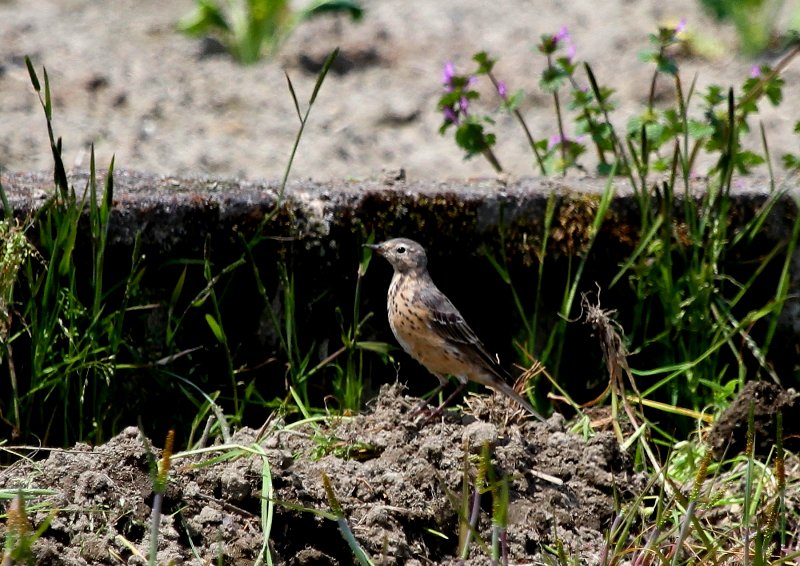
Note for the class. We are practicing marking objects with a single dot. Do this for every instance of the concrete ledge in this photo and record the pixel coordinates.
(173, 212)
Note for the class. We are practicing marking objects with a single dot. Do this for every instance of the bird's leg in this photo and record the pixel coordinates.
(438, 410)
(453, 395)
(424, 403)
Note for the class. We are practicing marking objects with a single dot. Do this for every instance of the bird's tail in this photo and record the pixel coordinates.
(509, 392)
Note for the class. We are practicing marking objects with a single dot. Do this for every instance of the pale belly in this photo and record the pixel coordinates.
(417, 337)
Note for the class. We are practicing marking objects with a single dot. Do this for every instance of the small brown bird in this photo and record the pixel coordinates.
(431, 329)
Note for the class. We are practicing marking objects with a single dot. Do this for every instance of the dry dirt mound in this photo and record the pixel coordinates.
(399, 485)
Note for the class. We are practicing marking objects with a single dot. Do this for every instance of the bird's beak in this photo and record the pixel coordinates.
(377, 247)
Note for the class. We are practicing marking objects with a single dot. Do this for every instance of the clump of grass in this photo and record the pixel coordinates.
(252, 29)
(69, 331)
(756, 22)
(711, 511)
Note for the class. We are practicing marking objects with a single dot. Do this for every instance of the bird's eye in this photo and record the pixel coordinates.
(401, 250)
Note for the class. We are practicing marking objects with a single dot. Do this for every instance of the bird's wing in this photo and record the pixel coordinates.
(448, 323)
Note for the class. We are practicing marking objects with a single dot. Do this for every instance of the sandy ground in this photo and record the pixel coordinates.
(125, 80)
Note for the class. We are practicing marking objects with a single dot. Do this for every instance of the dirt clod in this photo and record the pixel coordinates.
(729, 434)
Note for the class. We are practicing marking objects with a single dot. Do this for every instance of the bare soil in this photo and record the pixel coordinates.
(399, 484)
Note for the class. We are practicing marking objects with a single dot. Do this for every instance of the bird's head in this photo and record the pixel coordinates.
(405, 255)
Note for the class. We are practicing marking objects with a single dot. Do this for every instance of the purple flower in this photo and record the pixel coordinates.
(562, 35)
(463, 104)
(450, 115)
(755, 71)
(681, 27)
(570, 51)
(556, 141)
(502, 90)
(448, 73)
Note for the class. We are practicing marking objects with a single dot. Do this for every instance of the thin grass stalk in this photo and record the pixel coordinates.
(641, 557)
(568, 299)
(560, 122)
(664, 506)
(472, 525)
(484, 468)
(287, 337)
(320, 79)
(748, 486)
(59, 172)
(500, 497)
(727, 160)
(619, 149)
(643, 163)
(690, 149)
(785, 278)
(610, 533)
(353, 371)
(159, 479)
(780, 473)
(267, 507)
(502, 269)
(767, 158)
(341, 521)
(521, 120)
(549, 215)
(7, 212)
(215, 322)
(684, 116)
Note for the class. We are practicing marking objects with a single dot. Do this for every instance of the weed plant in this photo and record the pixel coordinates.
(680, 522)
(701, 321)
(252, 29)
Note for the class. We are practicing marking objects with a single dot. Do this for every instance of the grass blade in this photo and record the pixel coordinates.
(322, 74)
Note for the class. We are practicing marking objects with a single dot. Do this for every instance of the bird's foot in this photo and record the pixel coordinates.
(425, 413)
